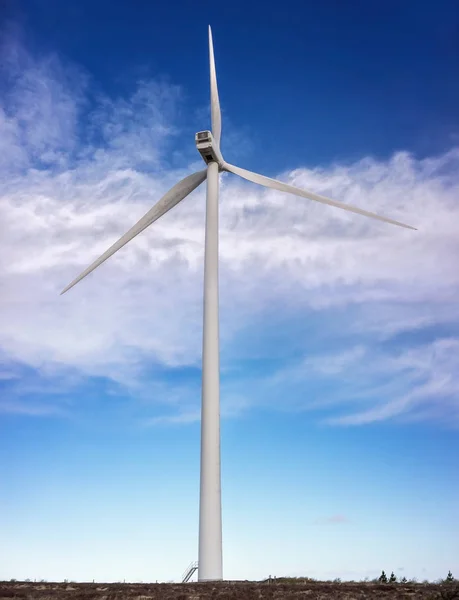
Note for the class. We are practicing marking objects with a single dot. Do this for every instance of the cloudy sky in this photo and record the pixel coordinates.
(339, 335)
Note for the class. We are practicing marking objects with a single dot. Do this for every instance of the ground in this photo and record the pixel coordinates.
(298, 590)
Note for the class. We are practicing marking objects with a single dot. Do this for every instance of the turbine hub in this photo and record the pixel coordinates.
(208, 148)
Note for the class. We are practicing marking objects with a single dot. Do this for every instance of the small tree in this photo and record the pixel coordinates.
(392, 578)
(382, 577)
(449, 578)
(403, 580)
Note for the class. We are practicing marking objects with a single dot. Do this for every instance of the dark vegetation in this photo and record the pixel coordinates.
(301, 588)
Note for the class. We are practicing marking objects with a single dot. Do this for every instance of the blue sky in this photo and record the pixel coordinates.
(339, 335)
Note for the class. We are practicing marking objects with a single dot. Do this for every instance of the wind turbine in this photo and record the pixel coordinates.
(208, 144)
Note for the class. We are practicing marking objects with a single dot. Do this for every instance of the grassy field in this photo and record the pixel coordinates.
(298, 590)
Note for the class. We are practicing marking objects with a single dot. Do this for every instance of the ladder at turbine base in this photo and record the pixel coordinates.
(190, 571)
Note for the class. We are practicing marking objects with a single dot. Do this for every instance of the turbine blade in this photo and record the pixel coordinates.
(284, 187)
(215, 112)
(168, 201)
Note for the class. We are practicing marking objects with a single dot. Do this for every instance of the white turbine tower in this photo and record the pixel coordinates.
(208, 144)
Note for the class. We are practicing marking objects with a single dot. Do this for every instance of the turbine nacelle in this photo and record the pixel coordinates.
(208, 148)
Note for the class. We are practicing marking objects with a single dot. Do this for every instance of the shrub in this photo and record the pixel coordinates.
(451, 593)
(382, 577)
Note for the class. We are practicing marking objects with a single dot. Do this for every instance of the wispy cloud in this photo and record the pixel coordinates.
(35, 409)
(232, 406)
(77, 174)
(332, 520)
(402, 382)
(40, 114)
(334, 364)
(179, 419)
(423, 376)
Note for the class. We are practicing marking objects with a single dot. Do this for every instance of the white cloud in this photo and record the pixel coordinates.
(178, 419)
(335, 363)
(40, 115)
(332, 520)
(68, 190)
(430, 373)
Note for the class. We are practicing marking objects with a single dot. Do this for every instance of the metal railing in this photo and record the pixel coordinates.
(188, 574)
